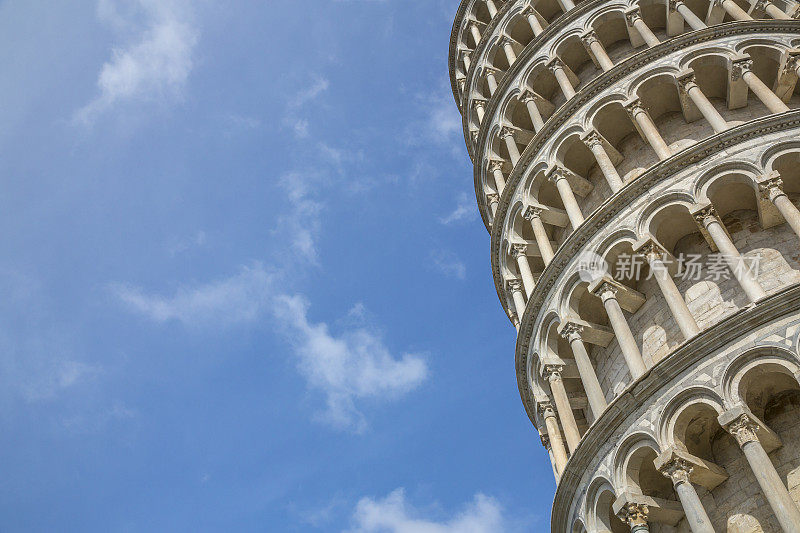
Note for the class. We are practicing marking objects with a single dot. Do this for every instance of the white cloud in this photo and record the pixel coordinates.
(302, 222)
(355, 365)
(449, 264)
(294, 120)
(238, 299)
(154, 64)
(392, 514)
(465, 209)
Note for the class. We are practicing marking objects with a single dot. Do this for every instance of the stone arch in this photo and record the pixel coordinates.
(635, 471)
(689, 420)
(668, 219)
(599, 501)
(743, 379)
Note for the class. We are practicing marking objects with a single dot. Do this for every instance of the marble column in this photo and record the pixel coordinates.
(493, 200)
(688, 15)
(559, 178)
(480, 110)
(647, 127)
(534, 215)
(678, 471)
(554, 433)
(654, 255)
(744, 430)
(595, 144)
(476, 33)
(688, 85)
(733, 9)
(519, 252)
(533, 20)
(634, 18)
(507, 134)
(496, 168)
(742, 68)
(772, 190)
(573, 333)
(596, 49)
(557, 67)
(508, 48)
(529, 100)
(552, 373)
(772, 10)
(514, 286)
(707, 218)
(622, 331)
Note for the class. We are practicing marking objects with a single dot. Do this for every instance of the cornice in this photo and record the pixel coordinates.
(638, 393)
(452, 54)
(598, 84)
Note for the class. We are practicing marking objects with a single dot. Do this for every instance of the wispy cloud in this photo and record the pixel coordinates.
(354, 365)
(465, 209)
(449, 264)
(393, 514)
(237, 299)
(308, 94)
(156, 59)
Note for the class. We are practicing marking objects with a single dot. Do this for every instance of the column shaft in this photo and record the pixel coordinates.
(789, 212)
(735, 11)
(645, 31)
(650, 132)
(764, 93)
(606, 166)
(696, 515)
(674, 298)
(594, 393)
(708, 110)
(775, 12)
(536, 26)
(735, 261)
(542, 240)
(565, 414)
(513, 150)
(511, 56)
(528, 281)
(563, 81)
(535, 114)
(556, 442)
(569, 201)
(772, 486)
(627, 343)
(600, 54)
(492, 82)
(688, 15)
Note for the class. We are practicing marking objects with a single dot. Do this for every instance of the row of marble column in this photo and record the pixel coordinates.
(609, 291)
(752, 436)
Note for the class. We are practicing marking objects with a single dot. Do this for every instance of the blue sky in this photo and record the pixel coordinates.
(245, 285)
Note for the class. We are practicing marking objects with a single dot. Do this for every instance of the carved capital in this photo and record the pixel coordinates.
(706, 215)
(606, 291)
(505, 131)
(526, 96)
(480, 104)
(652, 250)
(634, 107)
(739, 67)
(532, 212)
(519, 250)
(592, 139)
(553, 372)
(493, 198)
(555, 64)
(632, 15)
(678, 470)
(743, 430)
(687, 81)
(771, 188)
(634, 514)
(589, 38)
(572, 332)
(514, 285)
(556, 174)
(495, 165)
(546, 409)
(674, 4)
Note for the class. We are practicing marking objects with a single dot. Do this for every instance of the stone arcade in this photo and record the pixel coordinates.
(649, 129)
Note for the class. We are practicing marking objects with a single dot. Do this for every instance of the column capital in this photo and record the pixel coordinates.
(674, 4)
(504, 40)
(592, 139)
(705, 215)
(678, 470)
(572, 332)
(589, 37)
(686, 80)
(770, 186)
(634, 107)
(525, 96)
(493, 198)
(495, 165)
(546, 409)
(743, 429)
(740, 66)
(555, 63)
(514, 285)
(532, 212)
(632, 15)
(557, 173)
(650, 249)
(635, 515)
(505, 131)
(479, 104)
(552, 372)
(606, 291)
(519, 250)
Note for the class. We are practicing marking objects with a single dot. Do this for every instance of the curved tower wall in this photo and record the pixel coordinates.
(637, 166)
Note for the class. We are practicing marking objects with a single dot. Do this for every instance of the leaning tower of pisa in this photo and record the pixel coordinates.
(637, 166)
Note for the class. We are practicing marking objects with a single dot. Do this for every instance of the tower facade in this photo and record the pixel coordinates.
(637, 165)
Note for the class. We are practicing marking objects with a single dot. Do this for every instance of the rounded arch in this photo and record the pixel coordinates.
(739, 381)
(599, 501)
(629, 460)
(688, 418)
